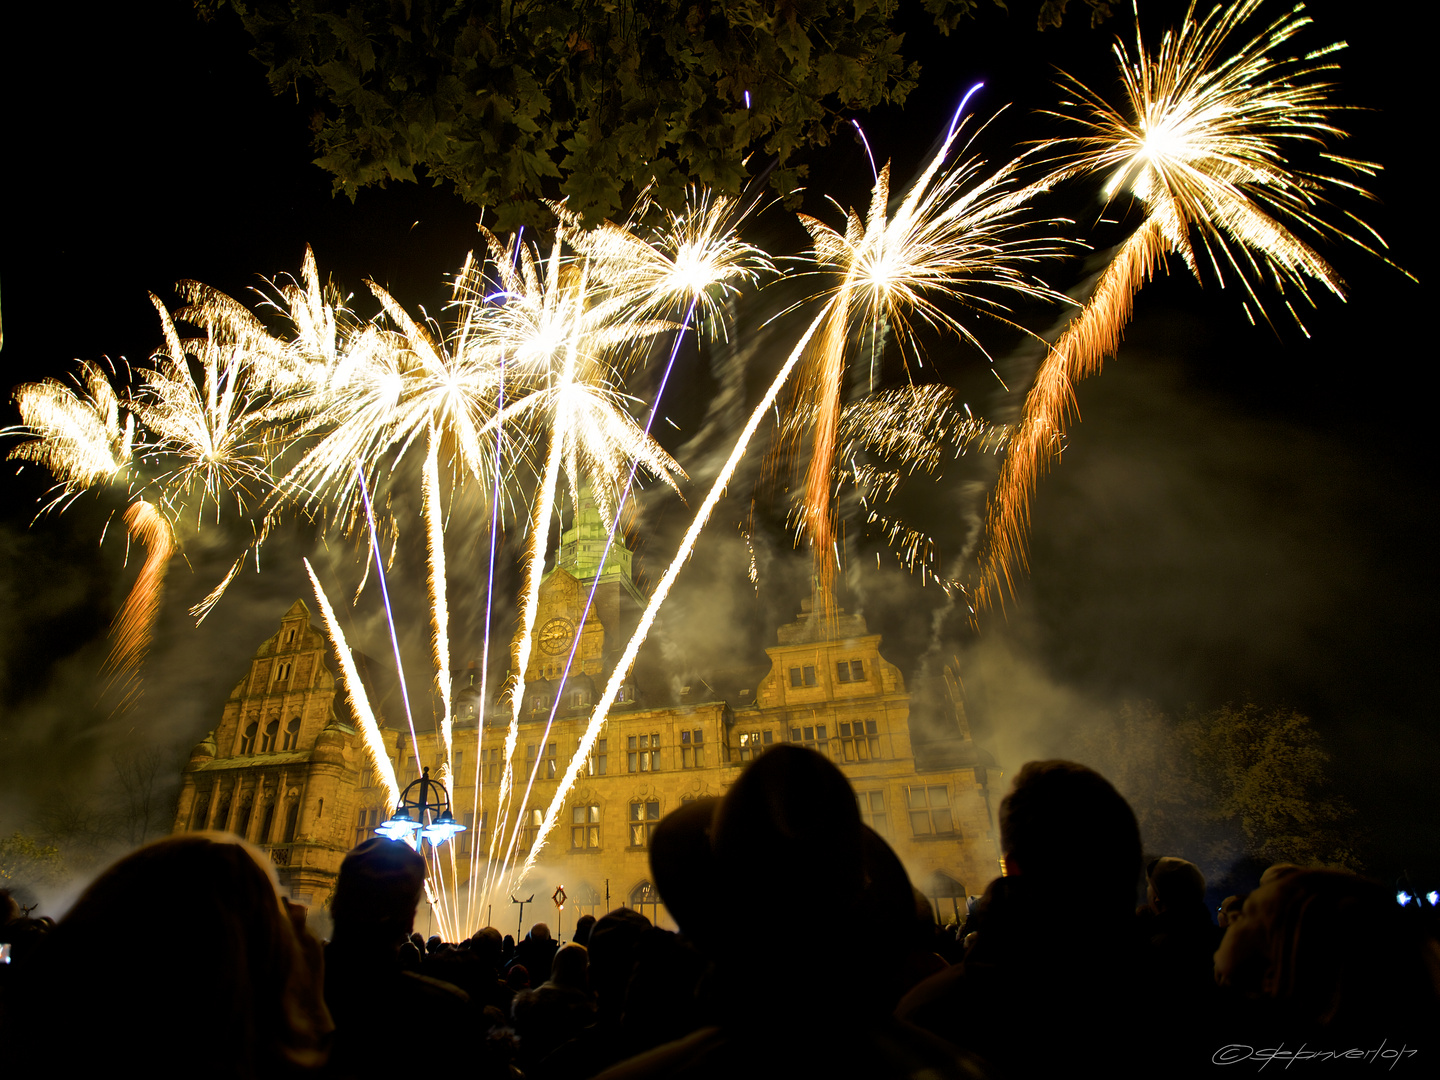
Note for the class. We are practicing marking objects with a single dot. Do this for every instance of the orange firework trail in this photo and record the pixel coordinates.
(130, 632)
(1200, 144)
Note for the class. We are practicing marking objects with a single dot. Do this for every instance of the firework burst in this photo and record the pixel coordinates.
(958, 238)
(1201, 144)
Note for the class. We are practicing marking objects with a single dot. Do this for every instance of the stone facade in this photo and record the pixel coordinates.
(286, 769)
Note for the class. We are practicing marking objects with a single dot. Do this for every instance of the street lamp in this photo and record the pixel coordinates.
(427, 813)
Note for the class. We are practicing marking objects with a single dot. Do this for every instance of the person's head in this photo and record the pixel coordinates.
(569, 968)
(583, 926)
(1173, 884)
(788, 822)
(518, 977)
(376, 894)
(190, 931)
(486, 945)
(1332, 949)
(539, 932)
(1066, 827)
(1229, 910)
(433, 943)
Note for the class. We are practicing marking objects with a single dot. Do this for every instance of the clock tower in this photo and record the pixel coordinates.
(583, 566)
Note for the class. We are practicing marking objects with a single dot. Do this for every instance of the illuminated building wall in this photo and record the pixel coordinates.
(828, 688)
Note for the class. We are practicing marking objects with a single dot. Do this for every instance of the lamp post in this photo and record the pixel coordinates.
(426, 813)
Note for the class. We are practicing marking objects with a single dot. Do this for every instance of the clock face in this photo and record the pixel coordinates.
(556, 635)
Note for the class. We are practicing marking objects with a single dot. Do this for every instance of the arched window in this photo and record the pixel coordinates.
(267, 819)
(222, 815)
(201, 815)
(646, 895)
(247, 740)
(292, 815)
(586, 900)
(292, 734)
(272, 735)
(242, 821)
(948, 896)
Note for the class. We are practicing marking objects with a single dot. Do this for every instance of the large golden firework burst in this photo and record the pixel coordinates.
(1202, 142)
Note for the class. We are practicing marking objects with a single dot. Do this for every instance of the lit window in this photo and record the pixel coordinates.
(642, 753)
(930, 811)
(584, 827)
(872, 810)
(860, 741)
(752, 743)
(692, 750)
(643, 818)
(247, 741)
(292, 733)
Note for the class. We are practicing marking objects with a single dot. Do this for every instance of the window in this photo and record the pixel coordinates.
(802, 676)
(457, 759)
(872, 810)
(364, 828)
(550, 762)
(247, 741)
(860, 741)
(242, 821)
(292, 817)
(599, 757)
(579, 699)
(643, 818)
(646, 895)
(492, 766)
(584, 827)
(533, 820)
(289, 635)
(812, 736)
(200, 818)
(292, 734)
(752, 743)
(282, 671)
(266, 820)
(850, 670)
(643, 753)
(930, 811)
(692, 752)
(222, 816)
(468, 840)
(270, 738)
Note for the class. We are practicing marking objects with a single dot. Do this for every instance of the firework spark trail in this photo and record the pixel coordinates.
(1036, 442)
(479, 808)
(957, 235)
(609, 543)
(439, 610)
(389, 617)
(130, 632)
(535, 564)
(662, 590)
(355, 694)
(1201, 147)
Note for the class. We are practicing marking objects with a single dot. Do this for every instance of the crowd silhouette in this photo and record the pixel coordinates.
(183, 959)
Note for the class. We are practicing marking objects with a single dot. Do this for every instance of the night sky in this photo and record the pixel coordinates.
(1244, 514)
